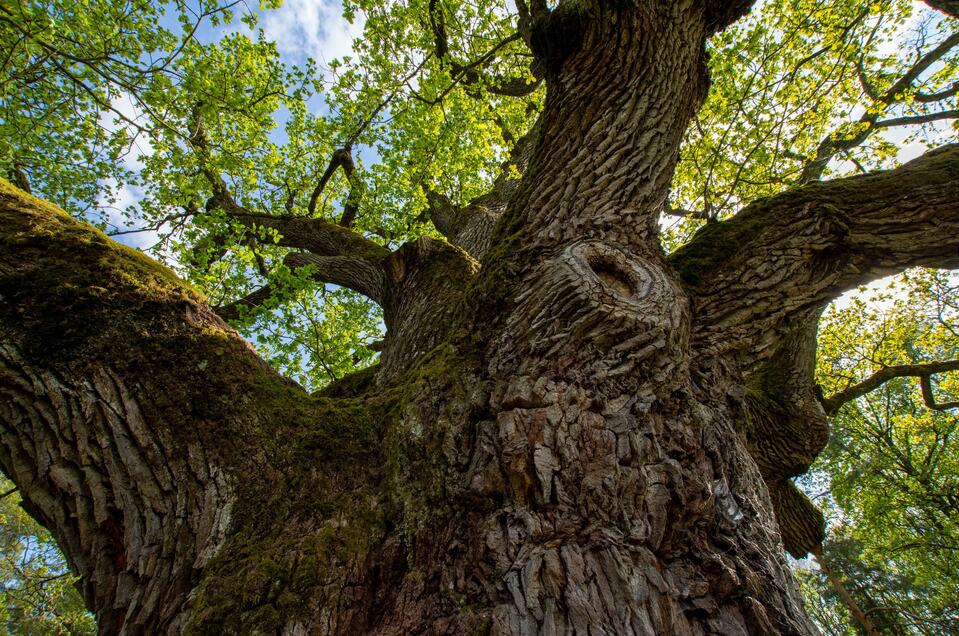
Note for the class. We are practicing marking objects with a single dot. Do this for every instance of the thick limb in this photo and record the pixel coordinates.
(795, 252)
(131, 416)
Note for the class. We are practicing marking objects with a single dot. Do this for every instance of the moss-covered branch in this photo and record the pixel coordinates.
(797, 251)
(133, 420)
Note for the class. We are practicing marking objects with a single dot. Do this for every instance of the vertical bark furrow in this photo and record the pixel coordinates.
(137, 529)
(608, 147)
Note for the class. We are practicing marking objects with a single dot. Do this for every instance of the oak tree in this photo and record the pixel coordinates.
(568, 430)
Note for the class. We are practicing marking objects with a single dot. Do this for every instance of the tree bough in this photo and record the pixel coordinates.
(567, 432)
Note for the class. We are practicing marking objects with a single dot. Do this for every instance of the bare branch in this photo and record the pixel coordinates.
(919, 67)
(470, 73)
(353, 273)
(927, 98)
(319, 236)
(869, 122)
(438, 26)
(316, 235)
(685, 213)
(923, 371)
(342, 158)
(256, 298)
(861, 617)
(867, 86)
(925, 383)
(918, 119)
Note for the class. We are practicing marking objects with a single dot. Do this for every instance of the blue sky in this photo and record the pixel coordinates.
(302, 29)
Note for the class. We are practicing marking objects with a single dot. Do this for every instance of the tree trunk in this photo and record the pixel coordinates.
(558, 438)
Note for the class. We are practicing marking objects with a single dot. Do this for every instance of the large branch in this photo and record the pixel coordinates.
(922, 370)
(799, 250)
(721, 13)
(131, 416)
(949, 7)
(784, 428)
(471, 226)
(338, 270)
(316, 235)
(339, 255)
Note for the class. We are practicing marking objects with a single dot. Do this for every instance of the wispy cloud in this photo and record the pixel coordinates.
(312, 28)
(126, 114)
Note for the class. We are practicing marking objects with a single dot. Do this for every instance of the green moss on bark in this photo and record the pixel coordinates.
(319, 482)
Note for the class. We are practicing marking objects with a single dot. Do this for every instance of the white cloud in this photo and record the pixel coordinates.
(312, 28)
(126, 114)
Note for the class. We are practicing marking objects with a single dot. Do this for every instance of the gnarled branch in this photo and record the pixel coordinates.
(319, 236)
(925, 383)
(799, 250)
(316, 235)
(922, 370)
(342, 158)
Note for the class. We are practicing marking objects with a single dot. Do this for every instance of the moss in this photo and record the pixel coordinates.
(351, 385)
(349, 474)
(714, 243)
(27, 218)
(61, 277)
(318, 481)
(485, 628)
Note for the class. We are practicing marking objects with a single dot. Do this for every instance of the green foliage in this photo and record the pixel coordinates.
(892, 463)
(105, 99)
(99, 99)
(38, 590)
(795, 79)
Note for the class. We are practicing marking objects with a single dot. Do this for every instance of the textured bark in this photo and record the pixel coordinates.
(949, 7)
(571, 435)
(132, 418)
(471, 227)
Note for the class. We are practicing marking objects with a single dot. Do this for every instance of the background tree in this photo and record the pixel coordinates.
(565, 428)
(892, 458)
(38, 595)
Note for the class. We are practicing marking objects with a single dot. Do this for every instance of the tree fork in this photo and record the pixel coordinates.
(132, 419)
(554, 442)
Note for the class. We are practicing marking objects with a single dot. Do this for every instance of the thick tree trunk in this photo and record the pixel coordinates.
(559, 439)
(595, 488)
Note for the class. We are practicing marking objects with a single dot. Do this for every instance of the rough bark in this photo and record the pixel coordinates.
(132, 418)
(795, 252)
(949, 7)
(572, 435)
